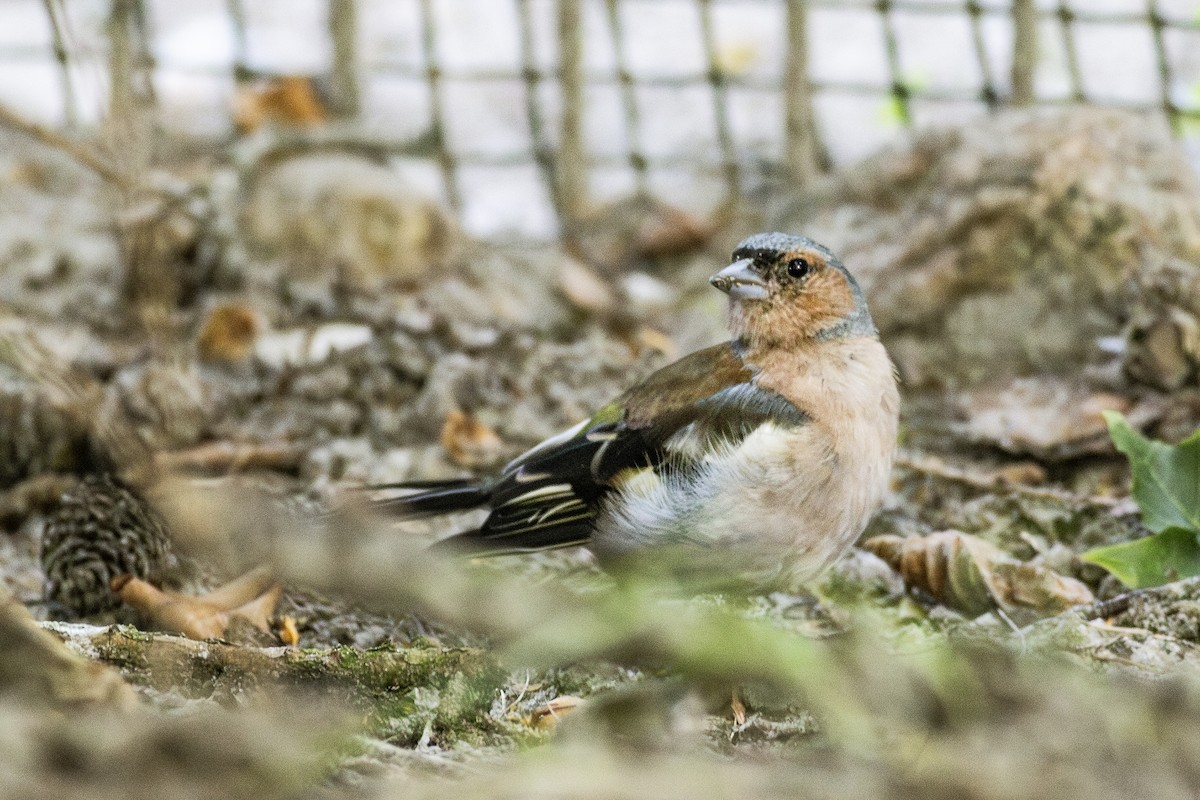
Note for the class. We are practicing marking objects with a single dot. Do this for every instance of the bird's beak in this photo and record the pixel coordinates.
(740, 281)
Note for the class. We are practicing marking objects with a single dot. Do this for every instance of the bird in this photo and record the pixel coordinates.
(764, 456)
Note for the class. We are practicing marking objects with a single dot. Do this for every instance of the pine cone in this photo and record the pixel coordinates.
(100, 530)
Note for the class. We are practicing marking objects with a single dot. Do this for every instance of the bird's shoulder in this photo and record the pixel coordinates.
(705, 396)
(713, 385)
(679, 387)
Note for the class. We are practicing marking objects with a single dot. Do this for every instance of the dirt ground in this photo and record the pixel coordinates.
(242, 342)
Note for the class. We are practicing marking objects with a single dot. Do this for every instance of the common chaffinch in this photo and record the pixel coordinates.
(765, 455)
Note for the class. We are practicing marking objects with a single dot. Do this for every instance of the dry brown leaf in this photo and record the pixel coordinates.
(241, 590)
(546, 716)
(617, 236)
(974, 576)
(228, 333)
(287, 632)
(259, 611)
(1038, 587)
(738, 708)
(251, 598)
(172, 612)
(1044, 417)
(469, 442)
(287, 99)
(671, 231)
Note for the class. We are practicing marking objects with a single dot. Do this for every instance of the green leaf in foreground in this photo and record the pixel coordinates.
(1152, 561)
(1166, 486)
(1166, 479)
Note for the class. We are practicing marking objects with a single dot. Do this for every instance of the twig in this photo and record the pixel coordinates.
(1103, 609)
(800, 133)
(57, 31)
(166, 661)
(343, 31)
(224, 457)
(1123, 602)
(79, 152)
(1024, 52)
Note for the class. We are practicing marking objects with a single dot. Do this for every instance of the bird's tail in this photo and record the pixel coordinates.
(430, 498)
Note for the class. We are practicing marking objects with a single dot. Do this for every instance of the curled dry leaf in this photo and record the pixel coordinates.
(285, 99)
(228, 334)
(974, 576)
(251, 598)
(547, 715)
(738, 708)
(469, 442)
(1035, 586)
(287, 632)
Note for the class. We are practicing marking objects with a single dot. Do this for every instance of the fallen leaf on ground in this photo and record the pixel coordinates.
(974, 576)
(283, 99)
(546, 716)
(469, 442)
(1047, 418)
(738, 708)
(621, 234)
(228, 333)
(287, 631)
(251, 598)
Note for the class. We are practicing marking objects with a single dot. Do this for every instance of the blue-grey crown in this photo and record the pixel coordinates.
(859, 322)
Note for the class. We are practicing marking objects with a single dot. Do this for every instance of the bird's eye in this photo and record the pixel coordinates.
(798, 267)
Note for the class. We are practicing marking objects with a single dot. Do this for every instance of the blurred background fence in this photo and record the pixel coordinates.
(520, 114)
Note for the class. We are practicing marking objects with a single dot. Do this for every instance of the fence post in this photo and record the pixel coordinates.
(70, 106)
(571, 168)
(343, 30)
(120, 61)
(800, 154)
(1024, 57)
(129, 123)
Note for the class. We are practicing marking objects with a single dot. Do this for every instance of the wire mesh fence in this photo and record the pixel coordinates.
(527, 111)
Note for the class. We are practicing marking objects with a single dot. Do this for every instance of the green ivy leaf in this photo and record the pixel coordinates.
(1164, 557)
(1166, 479)
(1166, 486)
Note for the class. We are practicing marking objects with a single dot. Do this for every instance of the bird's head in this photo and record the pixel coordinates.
(787, 289)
